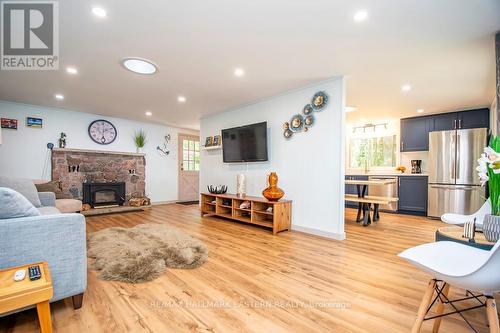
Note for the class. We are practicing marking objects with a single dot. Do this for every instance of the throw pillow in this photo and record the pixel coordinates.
(52, 186)
(23, 186)
(13, 205)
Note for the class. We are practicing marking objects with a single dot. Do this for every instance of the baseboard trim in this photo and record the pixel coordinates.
(156, 203)
(320, 233)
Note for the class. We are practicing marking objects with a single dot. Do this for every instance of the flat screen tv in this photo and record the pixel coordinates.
(245, 143)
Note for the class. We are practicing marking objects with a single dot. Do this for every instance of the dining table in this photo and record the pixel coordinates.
(364, 200)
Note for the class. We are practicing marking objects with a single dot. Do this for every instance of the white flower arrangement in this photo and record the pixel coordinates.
(488, 170)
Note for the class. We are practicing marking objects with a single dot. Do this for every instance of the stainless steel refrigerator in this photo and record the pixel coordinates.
(454, 185)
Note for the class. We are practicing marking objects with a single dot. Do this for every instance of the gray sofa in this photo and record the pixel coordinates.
(57, 238)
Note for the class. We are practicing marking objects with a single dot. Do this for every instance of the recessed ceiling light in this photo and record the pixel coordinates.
(148, 113)
(181, 99)
(406, 87)
(420, 110)
(239, 72)
(99, 11)
(140, 66)
(360, 15)
(59, 97)
(350, 109)
(72, 70)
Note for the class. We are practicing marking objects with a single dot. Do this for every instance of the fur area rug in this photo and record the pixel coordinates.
(142, 253)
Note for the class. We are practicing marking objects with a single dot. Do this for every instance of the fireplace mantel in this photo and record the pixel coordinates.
(108, 152)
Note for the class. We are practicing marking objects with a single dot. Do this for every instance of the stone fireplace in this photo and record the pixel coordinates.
(76, 167)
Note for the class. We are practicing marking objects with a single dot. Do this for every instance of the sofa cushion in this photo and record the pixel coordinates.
(48, 210)
(68, 205)
(23, 186)
(14, 205)
(52, 186)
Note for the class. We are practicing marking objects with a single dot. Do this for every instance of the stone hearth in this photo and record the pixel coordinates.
(72, 167)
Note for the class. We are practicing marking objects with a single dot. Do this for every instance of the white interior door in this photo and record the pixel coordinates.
(189, 167)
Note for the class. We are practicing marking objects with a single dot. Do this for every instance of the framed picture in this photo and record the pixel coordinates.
(209, 141)
(34, 122)
(217, 140)
(9, 123)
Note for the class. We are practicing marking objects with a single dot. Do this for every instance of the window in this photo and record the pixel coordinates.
(372, 152)
(190, 155)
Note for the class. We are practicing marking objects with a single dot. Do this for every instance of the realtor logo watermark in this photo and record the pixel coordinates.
(30, 35)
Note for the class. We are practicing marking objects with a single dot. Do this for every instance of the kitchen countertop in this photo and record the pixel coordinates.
(395, 174)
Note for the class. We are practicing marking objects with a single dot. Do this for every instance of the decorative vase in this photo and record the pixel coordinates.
(241, 185)
(139, 150)
(273, 192)
(491, 227)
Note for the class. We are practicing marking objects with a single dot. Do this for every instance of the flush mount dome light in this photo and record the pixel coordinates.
(140, 66)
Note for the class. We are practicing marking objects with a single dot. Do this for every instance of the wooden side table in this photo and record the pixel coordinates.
(16, 295)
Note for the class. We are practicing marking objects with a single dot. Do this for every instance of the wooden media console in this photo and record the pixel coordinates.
(228, 206)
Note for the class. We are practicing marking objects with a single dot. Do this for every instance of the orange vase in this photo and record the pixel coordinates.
(273, 192)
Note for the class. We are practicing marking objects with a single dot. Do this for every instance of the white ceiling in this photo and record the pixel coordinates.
(444, 49)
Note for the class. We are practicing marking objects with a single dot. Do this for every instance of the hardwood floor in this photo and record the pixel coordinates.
(257, 282)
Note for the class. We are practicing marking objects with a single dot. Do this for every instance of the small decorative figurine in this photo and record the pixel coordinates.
(62, 140)
(245, 205)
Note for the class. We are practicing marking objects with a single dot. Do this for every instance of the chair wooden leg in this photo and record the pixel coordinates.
(77, 301)
(422, 310)
(440, 309)
(491, 312)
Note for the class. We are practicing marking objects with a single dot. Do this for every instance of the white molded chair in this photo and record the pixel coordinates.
(459, 265)
(459, 219)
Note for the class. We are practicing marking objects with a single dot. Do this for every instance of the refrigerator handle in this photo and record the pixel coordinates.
(458, 156)
(453, 147)
(456, 187)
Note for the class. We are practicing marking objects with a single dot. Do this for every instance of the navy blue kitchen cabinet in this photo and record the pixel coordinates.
(413, 194)
(414, 134)
(443, 122)
(351, 189)
(460, 120)
(473, 119)
(415, 131)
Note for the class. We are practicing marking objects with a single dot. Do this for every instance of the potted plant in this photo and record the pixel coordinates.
(140, 140)
(489, 172)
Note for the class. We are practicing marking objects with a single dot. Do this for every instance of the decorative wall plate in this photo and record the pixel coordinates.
(308, 109)
(319, 100)
(297, 123)
(309, 121)
(303, 122)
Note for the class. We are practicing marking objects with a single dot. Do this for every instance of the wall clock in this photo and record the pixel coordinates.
(102, 132)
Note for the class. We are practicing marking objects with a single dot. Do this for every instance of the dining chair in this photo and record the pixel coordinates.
(459, 219)
(458, 265)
